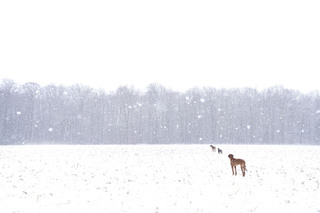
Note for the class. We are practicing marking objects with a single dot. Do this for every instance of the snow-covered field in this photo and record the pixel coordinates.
(158, 178)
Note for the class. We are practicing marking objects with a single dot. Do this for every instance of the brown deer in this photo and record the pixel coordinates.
(234, 162)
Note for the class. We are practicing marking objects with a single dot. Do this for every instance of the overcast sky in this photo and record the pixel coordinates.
(179, 44)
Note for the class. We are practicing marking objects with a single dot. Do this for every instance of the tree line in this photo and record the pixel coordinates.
(32, 114)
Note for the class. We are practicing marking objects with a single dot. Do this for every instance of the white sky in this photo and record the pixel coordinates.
(179, 44)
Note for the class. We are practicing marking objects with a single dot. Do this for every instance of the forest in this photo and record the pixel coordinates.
(78, 114)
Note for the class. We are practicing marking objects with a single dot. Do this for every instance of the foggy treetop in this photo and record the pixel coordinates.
(79, 114)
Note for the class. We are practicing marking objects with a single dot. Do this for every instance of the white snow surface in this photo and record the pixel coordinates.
(158, 178)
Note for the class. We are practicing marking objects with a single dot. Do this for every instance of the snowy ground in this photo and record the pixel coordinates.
(158, 178)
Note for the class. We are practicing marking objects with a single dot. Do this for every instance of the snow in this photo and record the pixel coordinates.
(158, 178)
